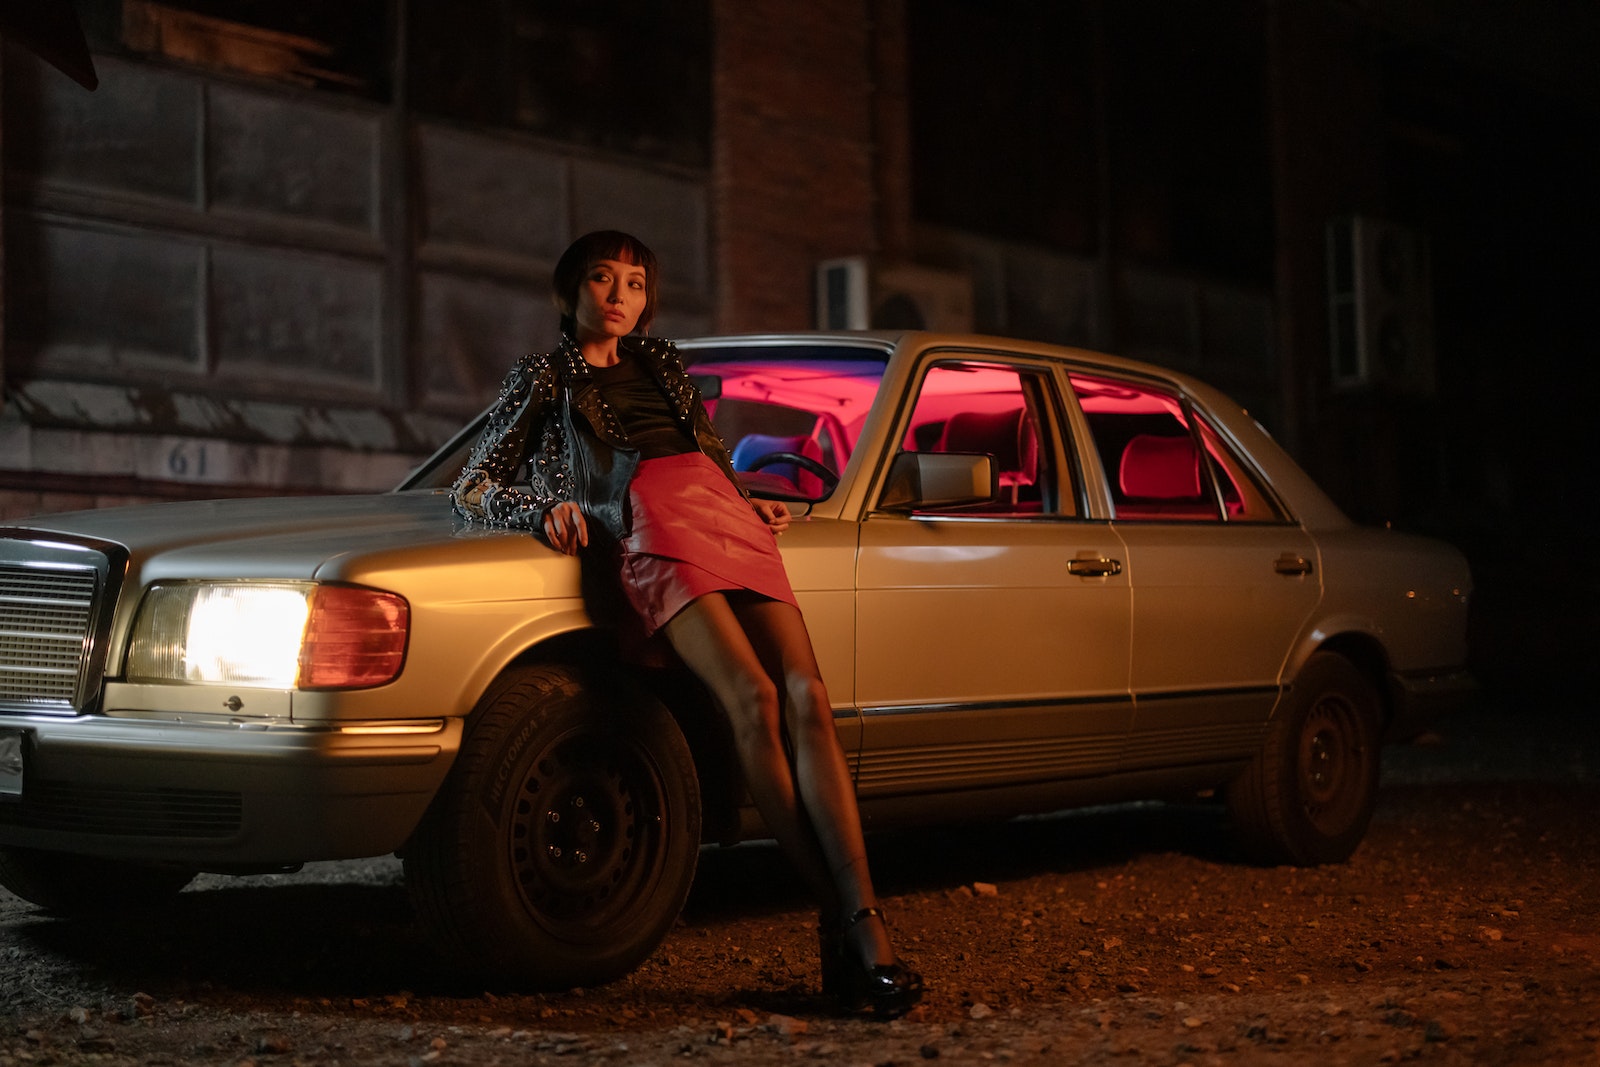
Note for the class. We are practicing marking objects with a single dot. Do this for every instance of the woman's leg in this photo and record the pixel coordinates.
(821, 774)
(710, 639)
(756, 657)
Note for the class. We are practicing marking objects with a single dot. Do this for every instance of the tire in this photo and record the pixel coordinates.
(562, 845)
(87, 885)
(1307, 797)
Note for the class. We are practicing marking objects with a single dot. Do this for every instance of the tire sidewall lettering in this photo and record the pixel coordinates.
(508, 761)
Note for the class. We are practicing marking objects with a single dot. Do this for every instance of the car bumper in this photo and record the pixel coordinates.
(215, 795)
(1420, 698)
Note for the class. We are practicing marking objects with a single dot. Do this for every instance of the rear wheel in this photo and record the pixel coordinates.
(87, 885)
(562, 845)
(1308, 796)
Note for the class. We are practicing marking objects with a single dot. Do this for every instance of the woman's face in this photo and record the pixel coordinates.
(611, 297)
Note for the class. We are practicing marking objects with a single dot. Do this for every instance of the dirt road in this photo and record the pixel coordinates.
(1465, 930)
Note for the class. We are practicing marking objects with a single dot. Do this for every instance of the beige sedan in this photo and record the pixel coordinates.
(1036, 577)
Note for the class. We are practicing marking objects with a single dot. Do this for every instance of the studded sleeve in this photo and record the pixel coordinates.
(518, 428)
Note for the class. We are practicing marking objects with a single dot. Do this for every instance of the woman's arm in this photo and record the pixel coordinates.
(484, 492)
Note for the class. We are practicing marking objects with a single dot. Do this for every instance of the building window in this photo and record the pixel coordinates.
(631, 77)
(341, 46)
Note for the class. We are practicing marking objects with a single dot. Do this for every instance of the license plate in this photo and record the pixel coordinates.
(10, 764)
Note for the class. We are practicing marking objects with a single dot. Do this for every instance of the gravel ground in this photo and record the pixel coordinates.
(1465, 930)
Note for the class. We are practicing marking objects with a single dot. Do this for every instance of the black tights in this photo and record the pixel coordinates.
(756, 658)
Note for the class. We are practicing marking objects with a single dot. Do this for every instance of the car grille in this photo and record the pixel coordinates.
(46, 618)
(57, 595)
(127, 812)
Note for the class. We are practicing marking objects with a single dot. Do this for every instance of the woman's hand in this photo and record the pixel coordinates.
(775, 513)
(565, 528)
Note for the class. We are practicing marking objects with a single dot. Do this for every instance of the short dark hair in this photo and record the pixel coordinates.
(590, 249)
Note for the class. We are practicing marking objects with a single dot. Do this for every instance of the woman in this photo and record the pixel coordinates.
(696, 562)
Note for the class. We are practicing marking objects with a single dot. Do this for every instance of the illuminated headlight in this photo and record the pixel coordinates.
(272, 635)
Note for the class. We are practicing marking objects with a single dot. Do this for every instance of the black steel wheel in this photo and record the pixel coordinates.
(563, 843)
(1308, 796)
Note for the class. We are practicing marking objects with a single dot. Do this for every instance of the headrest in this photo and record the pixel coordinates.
(1164, 468)
(1005, 435)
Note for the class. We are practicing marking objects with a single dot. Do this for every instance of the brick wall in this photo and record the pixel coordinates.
(793, 170)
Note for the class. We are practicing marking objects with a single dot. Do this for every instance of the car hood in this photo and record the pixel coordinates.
(277, 537)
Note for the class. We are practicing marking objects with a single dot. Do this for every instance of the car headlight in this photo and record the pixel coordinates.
(273, 635)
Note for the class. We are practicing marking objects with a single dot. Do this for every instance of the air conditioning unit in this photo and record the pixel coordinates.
(863, 293)
(1380, 304)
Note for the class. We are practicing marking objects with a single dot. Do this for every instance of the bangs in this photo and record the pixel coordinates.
(611, 244)
(624, 248)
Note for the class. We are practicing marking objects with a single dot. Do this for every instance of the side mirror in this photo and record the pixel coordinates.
(922, 480)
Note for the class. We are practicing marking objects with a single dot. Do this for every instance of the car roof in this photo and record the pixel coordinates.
(919, 340)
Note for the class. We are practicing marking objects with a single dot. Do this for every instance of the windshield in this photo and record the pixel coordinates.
(789, 413)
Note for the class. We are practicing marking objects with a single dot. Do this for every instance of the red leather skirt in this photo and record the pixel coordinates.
(693, 534)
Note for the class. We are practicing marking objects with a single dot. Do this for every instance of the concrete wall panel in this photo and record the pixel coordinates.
(486, 192)
(282, 156)
(137, 133)
(291, 315)
(84, 299)
(471, 332)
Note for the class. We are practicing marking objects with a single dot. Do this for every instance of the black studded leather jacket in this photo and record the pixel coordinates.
(521, 425)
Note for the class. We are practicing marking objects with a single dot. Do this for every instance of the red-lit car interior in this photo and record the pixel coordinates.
(792, 420)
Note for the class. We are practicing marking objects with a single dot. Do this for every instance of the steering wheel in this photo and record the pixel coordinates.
(805, 463)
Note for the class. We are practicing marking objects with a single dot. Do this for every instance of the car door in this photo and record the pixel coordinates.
(992, 640)
(1222, 580)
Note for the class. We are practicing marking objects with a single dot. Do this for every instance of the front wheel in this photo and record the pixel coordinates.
(562, 845)
(1308, 795)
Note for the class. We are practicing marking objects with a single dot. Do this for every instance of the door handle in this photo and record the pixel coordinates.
(1292, 563)
(1098, 567)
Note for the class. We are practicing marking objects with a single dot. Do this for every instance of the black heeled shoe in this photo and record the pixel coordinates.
(889, 989)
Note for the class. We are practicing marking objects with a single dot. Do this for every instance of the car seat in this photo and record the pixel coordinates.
(1008, 436)
(1160, 478)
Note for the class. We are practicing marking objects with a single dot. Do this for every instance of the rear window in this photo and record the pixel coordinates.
(1164, 462)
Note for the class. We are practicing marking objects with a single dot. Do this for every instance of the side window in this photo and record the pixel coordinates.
(1146, 440)
(992, 410)
(1243, 498)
